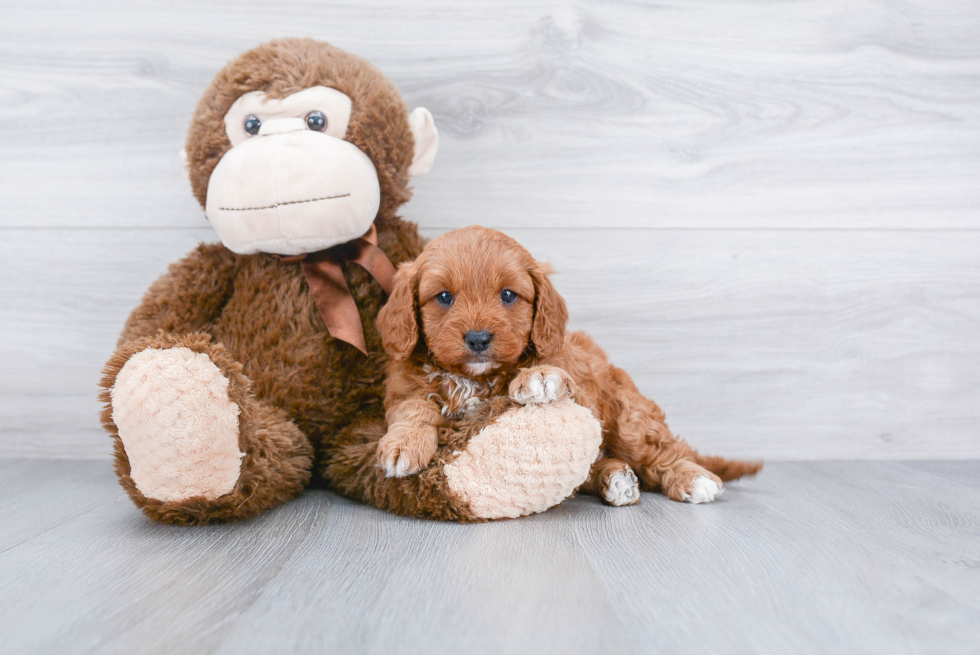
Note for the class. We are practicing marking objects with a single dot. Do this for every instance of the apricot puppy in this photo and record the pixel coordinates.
(492, 324)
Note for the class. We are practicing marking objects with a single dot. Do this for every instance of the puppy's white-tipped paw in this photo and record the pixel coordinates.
(622, 489)
(537, 387)
(703, 490)
(403, 452)
(403, 467)
(390, 465)
(398, 466)
(552, 387)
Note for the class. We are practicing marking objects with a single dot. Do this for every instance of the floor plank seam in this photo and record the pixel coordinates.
(54, 526)
(233, 625)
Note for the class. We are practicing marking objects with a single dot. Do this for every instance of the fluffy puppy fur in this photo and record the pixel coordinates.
(474, 317)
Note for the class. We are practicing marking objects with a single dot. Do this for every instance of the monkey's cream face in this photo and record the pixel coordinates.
(291, 184)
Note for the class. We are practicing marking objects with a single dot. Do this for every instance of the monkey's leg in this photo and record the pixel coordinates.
(192, 444)
(507, 461)
(614, 481)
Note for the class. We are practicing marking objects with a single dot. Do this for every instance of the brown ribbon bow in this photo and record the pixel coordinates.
(325, 275)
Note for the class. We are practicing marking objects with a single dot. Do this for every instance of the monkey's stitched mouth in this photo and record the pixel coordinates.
(280, 204)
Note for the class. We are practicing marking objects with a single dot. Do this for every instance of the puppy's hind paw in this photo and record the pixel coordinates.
(703, 490)
(622, 488)
(540, 384)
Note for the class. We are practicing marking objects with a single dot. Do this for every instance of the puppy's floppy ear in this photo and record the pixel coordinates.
(550, 313)
(398, 319)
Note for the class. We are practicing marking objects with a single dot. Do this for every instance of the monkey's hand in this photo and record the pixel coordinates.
(407, 449)
(541, 384)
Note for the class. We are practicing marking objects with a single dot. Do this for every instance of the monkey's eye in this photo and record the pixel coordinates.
(316, 121)
(508, 297)
(252, 125)
(445, 298)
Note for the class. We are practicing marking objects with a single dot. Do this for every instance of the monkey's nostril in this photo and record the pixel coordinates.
(478, 341)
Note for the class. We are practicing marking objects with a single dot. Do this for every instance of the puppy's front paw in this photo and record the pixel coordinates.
(404, 451)
(541, 384)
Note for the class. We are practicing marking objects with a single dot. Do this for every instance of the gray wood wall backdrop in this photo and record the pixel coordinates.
(768, 211)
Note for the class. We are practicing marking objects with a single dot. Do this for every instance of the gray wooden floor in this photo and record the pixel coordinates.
(828, 557)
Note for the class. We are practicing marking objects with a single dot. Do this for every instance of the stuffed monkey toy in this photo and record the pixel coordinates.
(253, 368)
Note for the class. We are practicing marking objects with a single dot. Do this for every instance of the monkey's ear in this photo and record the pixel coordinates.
(398, 319)
(426, 141)
(550, 313)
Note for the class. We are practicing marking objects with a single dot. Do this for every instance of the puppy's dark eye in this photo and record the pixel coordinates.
(316, 121)
(445, 298)
(508, 297)
(252, 125)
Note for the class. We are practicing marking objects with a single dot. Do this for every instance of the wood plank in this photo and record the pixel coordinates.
(38, 495)
(815, 557)
(950, 471)
(667, 114)
(823, 344)
(111, 581)
(808, 558)
(392, 583)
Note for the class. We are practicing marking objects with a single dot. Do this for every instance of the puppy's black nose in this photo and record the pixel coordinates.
(478, 341)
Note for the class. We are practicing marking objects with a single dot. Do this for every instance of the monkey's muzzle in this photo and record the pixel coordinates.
(292, 192)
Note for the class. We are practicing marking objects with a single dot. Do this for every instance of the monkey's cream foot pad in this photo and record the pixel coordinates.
(177, 424)
(528, 460)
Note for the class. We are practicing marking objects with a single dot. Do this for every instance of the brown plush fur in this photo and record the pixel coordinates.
(297, 388)
(475, 265)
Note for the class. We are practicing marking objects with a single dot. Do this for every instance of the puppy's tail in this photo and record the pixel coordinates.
(727, 469)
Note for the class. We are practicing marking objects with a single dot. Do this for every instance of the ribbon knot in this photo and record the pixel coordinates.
(324, 272)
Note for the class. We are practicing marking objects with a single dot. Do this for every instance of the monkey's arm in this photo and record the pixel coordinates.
(188, 297)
